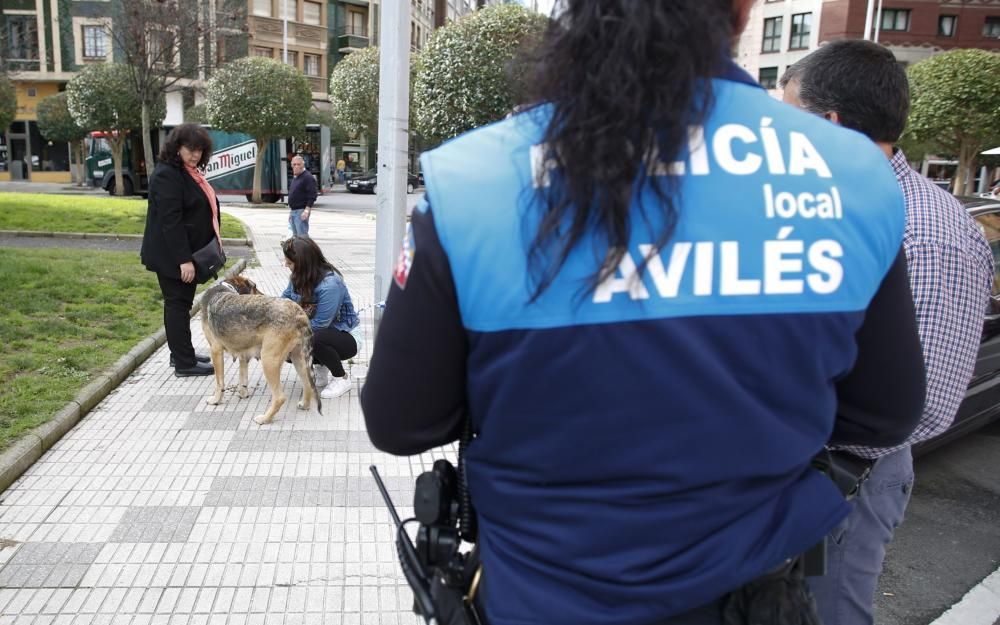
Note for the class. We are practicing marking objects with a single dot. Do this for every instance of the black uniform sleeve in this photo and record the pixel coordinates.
(882, 398)
(414, 397)
(167, 194)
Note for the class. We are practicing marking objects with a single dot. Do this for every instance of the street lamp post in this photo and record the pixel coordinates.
(878, 20)
(868, 20)
(393, 137)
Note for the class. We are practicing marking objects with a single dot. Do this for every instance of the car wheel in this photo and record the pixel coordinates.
(409, 187)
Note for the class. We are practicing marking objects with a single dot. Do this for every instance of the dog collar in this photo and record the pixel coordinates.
(230, 287)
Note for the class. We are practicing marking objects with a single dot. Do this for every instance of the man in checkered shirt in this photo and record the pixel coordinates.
(860, 85)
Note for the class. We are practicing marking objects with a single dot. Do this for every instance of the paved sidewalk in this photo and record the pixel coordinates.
(158, 508)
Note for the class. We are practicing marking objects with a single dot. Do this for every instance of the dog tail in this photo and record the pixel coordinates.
(305, 331)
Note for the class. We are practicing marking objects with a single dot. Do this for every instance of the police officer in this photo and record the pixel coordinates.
(656, 296)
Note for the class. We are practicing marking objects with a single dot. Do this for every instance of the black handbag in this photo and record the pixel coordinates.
(208, 261)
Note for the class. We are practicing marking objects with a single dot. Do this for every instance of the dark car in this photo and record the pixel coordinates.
(368, 183)
(981, 405)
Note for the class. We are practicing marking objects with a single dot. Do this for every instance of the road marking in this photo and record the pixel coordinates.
(980, 606)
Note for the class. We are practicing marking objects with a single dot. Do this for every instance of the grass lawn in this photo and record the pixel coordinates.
(65, 316)
(72, 213)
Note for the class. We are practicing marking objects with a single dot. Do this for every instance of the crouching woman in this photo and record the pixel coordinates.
(320, 289)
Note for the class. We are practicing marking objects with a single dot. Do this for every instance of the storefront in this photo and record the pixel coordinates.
(24, 153)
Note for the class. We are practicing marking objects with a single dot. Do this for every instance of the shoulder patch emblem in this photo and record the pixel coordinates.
(405, 261)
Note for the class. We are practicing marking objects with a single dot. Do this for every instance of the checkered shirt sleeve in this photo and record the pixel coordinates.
(951, 274)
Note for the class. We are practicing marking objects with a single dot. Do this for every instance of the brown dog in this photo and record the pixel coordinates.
(237, 319)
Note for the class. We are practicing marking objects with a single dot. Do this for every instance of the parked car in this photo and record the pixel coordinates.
(981, 405)
(369, 182)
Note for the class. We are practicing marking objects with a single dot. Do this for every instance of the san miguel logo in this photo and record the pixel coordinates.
(232, 159)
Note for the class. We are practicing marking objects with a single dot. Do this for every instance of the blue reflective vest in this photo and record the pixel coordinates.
(679, 469)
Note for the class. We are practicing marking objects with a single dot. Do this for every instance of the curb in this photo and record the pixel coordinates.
(23, 453)
(100, 235)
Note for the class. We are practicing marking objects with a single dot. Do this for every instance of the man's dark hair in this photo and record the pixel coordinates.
(193, 137)
(859, 80)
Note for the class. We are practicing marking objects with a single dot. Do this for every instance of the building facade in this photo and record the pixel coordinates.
(778, 33)
(782, 31)
(295, 32)
(44, 43)
(916, 29)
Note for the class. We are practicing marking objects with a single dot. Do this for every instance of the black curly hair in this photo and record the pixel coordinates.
(191, 136)
(625, 80)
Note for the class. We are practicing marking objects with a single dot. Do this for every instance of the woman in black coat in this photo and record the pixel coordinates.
(183, 216)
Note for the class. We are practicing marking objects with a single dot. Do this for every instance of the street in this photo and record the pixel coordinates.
(950, 539)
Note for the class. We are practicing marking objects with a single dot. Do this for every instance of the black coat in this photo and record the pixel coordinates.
(178, 221)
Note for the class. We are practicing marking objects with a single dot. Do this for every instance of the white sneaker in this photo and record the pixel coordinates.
(336, 388)
(322, 375)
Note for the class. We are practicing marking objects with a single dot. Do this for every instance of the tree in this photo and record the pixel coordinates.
(462, 74)
(261, 97)
(8, 102)
(57, 124)
(354, 92)
(99, 98)
(955, 107)
(163, 42)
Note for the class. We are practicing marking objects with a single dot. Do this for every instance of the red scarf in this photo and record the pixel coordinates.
(209, 192)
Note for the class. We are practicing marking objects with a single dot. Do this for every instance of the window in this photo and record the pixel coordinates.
(311, 12)
(262, 8)
(310, 64)
(293, 58)
(896, 19)
(801, 28)
(772, 35)
(946, 25)
(768, 77)
(356, 23)
(161, 48)
(287, 9)
(991, 28)
(95, 43)
(22, 37)
(265, 52)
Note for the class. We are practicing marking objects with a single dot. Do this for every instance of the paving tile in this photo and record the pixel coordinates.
(158, 509)
(155, 524)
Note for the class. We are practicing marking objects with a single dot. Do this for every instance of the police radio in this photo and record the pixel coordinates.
(444, 579)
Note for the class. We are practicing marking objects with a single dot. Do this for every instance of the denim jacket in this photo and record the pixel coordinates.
(333, 304)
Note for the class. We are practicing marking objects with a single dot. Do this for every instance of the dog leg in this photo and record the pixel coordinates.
(305, 375)
(272, 373)
(244, 393)
(219, 364)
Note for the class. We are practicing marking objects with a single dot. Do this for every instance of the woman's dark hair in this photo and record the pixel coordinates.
(191, 136)
(310, 265)
(625, 80)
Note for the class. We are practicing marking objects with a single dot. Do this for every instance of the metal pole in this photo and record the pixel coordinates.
(868, 20)
(284, 33)
(393, 136)
(878, 20)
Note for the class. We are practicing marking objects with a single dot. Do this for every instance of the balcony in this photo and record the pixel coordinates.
(351, 38)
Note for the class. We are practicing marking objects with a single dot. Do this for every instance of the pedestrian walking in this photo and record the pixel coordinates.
(951, 275)
(302, 195)
(654, 297)
(182, 218)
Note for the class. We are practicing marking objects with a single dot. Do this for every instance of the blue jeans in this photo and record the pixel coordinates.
(856, 547)
(299, 228)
